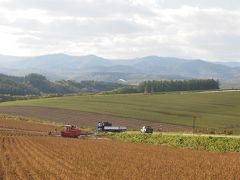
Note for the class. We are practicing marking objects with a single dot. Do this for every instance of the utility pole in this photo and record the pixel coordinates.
(193, 124)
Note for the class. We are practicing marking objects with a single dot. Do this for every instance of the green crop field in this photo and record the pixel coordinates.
(213, 110)
(209, 143)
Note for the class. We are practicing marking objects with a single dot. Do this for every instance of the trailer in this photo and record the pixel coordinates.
(107, 127)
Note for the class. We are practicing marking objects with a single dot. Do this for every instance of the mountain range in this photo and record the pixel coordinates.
(131, 71)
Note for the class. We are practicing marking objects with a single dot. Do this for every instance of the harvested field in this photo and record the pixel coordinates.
(41, 157)
(30, 155)
(86, 119)
(22, 124)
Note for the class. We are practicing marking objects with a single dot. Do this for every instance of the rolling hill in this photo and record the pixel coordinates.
(213, 110)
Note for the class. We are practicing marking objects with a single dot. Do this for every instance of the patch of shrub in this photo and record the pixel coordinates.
(220, 144)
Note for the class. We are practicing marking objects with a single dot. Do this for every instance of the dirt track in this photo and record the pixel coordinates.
(85, 119)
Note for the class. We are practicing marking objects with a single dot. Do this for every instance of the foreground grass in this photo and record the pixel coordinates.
(219, 144)
(213, 110)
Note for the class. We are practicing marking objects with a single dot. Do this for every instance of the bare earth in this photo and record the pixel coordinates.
(86, 119)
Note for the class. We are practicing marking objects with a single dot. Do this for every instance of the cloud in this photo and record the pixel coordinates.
(82, 8)
(229, 4)
(120, 28)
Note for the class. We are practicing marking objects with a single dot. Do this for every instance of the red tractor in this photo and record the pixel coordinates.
(70, 131)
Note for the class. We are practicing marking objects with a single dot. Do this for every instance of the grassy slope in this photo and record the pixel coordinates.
(212, 109)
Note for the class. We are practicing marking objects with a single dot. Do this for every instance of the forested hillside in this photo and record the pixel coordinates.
(36, 84)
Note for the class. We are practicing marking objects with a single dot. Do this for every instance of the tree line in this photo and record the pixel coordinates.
(185, 85)
(152, 86)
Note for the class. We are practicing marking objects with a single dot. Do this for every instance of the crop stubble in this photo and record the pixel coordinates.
(41, 157)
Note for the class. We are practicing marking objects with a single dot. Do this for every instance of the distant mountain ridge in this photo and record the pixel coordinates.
(91, 67)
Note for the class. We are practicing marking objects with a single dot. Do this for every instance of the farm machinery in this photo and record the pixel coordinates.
(73, 131)
(70, 131)
(107, 127)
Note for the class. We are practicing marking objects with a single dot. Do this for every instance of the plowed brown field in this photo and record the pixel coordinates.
(24, 125)
(33, 156)
(86, 119)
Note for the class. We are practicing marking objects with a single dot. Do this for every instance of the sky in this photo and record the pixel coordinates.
(192, 29)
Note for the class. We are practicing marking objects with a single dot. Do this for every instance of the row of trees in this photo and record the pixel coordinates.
(168, 86)
(185, 85)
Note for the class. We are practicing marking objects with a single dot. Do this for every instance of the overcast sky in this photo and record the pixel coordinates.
(206, 29)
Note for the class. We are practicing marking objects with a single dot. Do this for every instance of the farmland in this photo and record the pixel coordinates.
(208, 143)
(213, 110)
(37, 156)
(25, 124)
(86, 119)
